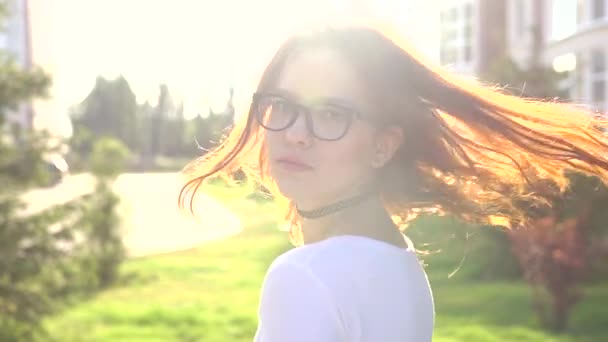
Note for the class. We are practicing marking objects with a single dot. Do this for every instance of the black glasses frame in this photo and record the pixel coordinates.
(301, 109)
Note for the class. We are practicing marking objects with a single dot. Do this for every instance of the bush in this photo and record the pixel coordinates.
(455, 249)
(34, 253)
(50, 257)
(31, 248)
(556, 251)
(55, 256)
(24, 163)
(553, 257)
(104, 248)
(109, 157)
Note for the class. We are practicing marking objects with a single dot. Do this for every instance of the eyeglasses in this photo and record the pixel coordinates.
(327, 121)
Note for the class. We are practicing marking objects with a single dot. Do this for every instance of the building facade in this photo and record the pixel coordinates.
(578, 43)
(472, 34)
(528, 27)
(27, 38)
(569, 35)
(460, 45)
(15, 40)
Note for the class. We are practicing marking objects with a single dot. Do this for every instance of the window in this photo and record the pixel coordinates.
(599, 92)
(452, 14)
(468, 43)
(598, 62)
(597, 68)
(599, 9)
(448, 36)
(448, 55)
(580, 12)
(457, 34)
(468, 53)
(519, 17)
(468, 11)
(579, 78)
(468, 32)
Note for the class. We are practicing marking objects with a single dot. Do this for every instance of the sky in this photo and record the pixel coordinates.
(564, 18)
(200, 48)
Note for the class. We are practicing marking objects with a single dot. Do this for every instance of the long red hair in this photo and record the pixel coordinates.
(469, 149)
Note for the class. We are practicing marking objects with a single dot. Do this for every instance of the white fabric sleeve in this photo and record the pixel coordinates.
(296, 306)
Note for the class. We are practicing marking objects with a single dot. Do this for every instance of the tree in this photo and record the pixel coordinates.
(212, 129)
(42, 259)
(18, 85)
(109, 110)
(109, 157)
(537, 81)
(534, 79)
(554, 250)
(21, 163)
(144, 123)
(202, 132)
(173, 132)
(557, 251)
(20, 253)
(159, 118)
(195, 136)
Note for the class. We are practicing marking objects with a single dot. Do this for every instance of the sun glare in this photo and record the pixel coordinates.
(199, 48)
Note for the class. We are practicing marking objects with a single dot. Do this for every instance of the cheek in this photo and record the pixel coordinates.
(272, 142)
(352, 155)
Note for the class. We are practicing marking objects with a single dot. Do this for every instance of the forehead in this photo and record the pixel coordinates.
(321, 73)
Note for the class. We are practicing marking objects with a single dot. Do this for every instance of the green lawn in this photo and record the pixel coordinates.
(211, 294)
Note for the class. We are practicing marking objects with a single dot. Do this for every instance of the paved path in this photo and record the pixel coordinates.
(71, 187)
(152, 223)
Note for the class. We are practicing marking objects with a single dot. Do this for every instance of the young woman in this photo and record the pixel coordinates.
(354, 135)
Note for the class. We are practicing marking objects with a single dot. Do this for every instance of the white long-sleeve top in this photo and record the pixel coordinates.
(346, 288)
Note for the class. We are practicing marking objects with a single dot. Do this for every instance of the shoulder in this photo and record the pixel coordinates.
(326, 261)
(300, 265)
(309, 256)
(344, 283)
(296, 305)
(346, 267)
(317, 269)
(349, 254)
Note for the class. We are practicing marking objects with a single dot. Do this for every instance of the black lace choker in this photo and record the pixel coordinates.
(334, 207)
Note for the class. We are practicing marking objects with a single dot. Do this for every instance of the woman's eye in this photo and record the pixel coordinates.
(280, 105)
(333, 115)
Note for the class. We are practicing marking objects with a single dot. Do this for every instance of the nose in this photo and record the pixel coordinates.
(299, 133)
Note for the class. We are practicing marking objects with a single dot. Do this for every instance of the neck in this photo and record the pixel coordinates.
(366, 218)
(337, 206)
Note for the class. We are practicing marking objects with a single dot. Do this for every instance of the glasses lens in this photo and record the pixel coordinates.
(330, 122)
(275, 113)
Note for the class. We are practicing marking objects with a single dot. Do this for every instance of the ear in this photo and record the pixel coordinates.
(388, 141)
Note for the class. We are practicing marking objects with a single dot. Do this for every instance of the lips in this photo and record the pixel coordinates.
(293, 164)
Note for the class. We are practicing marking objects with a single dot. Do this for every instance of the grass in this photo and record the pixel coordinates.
(211, 294)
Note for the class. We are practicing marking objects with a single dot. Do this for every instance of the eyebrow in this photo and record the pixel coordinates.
(324, 100)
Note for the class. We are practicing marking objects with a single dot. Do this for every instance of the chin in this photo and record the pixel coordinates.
(295, 190)
(296, 185)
